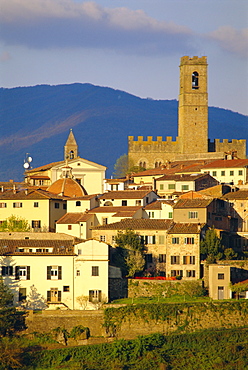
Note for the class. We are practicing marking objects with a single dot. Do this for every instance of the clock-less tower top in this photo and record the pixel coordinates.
(193, 105)
(71, 147)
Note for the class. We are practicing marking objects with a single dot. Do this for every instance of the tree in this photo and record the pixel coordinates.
(11, 320)
(14, 223)
(35, 301)
(130, 252)
(82, 301)
(124, 166)
(211, 247)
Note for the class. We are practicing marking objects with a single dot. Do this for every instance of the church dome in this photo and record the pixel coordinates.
(67, 187)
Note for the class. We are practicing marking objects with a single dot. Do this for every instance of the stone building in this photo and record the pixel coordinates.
(192, 141)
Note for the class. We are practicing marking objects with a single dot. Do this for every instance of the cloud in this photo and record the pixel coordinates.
(232, 40)
(65, 23)
(5, 56)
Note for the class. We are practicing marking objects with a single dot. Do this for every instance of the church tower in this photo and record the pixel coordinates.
(193, 106)
(71, 147)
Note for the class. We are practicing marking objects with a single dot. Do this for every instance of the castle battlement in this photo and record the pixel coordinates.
(227, 141)
(149, 140)
(194, 60)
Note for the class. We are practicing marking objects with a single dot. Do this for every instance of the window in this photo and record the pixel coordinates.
(138, 202)
(175, 240)
(79, 251)
(175, 260)
(240, 173)
(66, 288)
(150, 239)
(54, 272)
(185, 187)
(148, 258)
(64, 206)
(102, 238)
(56, 205)
(69, 227)
(17, 205)
(190, 273)
(3, 205)
(95, 295)
(7, 270)
(95, 271)
(189, 260)
(36, 224)
(161, 186)
(161, 239)
(221, 276)
(189, 240)
(177, 273)
(195, 80)
(78, 273)
(171, 186)
(22, 272)
(54, 295)
(36, 204)
(218, 218)
(78, 203)
(104, 220)
(231, 173)
(113, 239)
(124, 203)
(214, 173)
(170, 215)
(151, 214)
(162, 258)
(22, 294)
(222, 173)
(193, 214)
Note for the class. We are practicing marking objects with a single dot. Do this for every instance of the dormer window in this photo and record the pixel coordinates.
(195, 80)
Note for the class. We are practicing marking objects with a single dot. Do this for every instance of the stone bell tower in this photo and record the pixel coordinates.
(193, 105)
(71, 147)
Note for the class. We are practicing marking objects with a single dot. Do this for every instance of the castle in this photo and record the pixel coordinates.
(192, 141)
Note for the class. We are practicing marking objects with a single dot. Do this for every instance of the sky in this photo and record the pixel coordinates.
(130, 45)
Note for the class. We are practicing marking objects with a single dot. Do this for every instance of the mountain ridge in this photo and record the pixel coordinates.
(37, 119)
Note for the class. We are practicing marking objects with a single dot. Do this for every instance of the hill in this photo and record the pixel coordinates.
(37, 120)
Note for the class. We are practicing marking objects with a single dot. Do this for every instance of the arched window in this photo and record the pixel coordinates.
(71, 154)
(108, 204)
(144, 164)
(195, 80)
(156, 164)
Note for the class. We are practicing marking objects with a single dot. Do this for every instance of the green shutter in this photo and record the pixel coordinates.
(49, 296)
(59, 295)
(28, 272)
(60, 272)
(49, 272)
(17, 273)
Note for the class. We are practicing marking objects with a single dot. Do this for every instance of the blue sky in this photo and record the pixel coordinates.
(132, 45)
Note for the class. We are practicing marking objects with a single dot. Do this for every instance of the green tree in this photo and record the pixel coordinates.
(11, 320)
(14, 223)
(211, 247)
(124, 166)
(129, 252)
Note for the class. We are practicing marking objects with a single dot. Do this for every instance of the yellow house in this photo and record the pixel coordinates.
(54, 270)
(40, 208)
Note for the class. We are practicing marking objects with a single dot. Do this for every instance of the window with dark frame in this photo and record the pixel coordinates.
(95, 271)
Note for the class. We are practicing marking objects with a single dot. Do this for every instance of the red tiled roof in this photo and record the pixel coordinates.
(227, 163)
(44, 167)
(74, 218)
(109, 209)
(157, 204)
(183, 177)
(67, 187)
(137, 224)
(240, 194)
(28, 194)
(192, 203)
(186, 228)
(9, 246)
(125, 194)
(84, 197)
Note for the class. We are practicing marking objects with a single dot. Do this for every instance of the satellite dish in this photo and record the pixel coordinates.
(29, 159)
(26, 165)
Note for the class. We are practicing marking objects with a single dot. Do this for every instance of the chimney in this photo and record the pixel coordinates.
(14, 189)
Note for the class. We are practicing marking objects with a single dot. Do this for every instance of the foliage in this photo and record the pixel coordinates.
(239, 287)
(82, 301)
(211, 247)
(78, 330)
(129, 252)
(10, 355)
(11, 320)
(204, 350)
(230, 254)
(14, 223)
(35, 301)
(124, 166)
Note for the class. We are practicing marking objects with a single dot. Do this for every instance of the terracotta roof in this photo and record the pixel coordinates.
(25, 235)
(183, 177)
(108, 209)
(192, 203)
(44, 167)
(61, 247)
(67, 187)
(39, 177)
(74, 218)
(240, 194)
(124, 214)
(84, 197)
(28, 194)
(137, 224)
(227, 163)
(158, 204)
(115, 181)
(187, 228)
(125, 194)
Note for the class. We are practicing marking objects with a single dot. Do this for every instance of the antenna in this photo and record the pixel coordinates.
(28, 159)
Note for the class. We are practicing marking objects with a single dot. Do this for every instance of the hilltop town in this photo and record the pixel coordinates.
(181, 216)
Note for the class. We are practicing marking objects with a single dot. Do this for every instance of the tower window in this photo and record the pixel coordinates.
(71, 154)
(195, 80)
